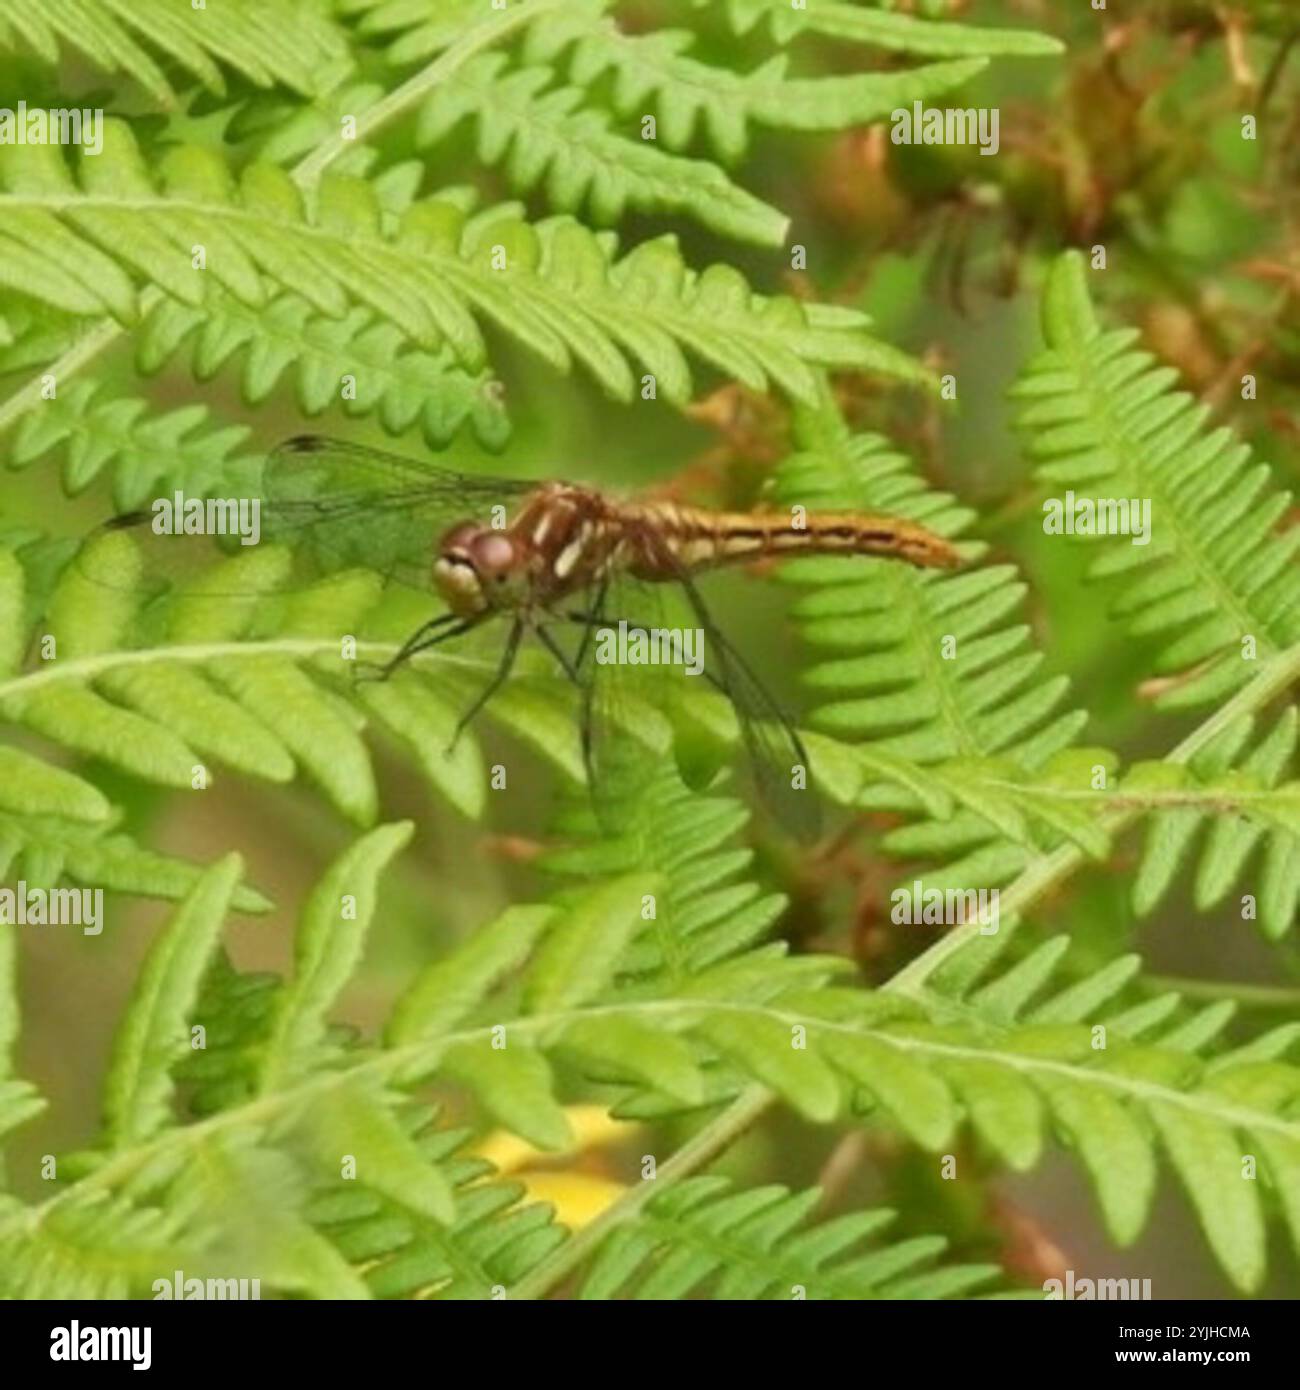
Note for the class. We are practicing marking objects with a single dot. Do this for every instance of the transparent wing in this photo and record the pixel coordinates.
(623, 706)
(333, 504)
(777, 758)
(629, 709)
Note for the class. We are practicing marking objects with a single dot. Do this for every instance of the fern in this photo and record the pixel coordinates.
(746, 1245)
(269, 41)
(295, 199)
(900, 32)
(555, 286)
(1258, 812)
(690, 95)
(543, 129)
(581, 159)
(401, 386)
(1003, 1053)
(1217, 582)
(150, 455)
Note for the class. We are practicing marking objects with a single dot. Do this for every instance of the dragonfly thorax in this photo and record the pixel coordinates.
(478, 569)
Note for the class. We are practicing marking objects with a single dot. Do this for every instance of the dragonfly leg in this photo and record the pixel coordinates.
(594, 620)
(571, 668)
(438, 630)
(495, 684)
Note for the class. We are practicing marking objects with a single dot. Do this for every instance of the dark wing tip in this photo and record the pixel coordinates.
(303, 444)
(125, 519)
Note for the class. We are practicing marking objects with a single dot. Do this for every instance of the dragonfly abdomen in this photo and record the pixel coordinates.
(699, 539)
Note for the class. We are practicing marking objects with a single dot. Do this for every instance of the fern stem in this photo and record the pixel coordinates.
(699, 1150)
(89, 667)
(1251, 995)
(1050, 869)
(414, 89)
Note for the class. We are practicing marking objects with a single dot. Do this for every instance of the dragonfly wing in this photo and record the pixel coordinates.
(331, 504)
(622, 703)
(775, 752)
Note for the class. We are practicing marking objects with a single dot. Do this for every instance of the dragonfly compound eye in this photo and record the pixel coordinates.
(494, 556)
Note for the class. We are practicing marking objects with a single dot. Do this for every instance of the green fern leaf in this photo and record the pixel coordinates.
(1263, 822)
(544, 135)
(901, 32)
(1216, 583)
(399, 385)
(155, 1028)
(555, 285)
(327, 948)
(689, 93)
(704, 1237)
(267, 41)
(149, 454)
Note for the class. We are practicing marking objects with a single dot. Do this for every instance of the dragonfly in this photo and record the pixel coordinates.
(535, 557)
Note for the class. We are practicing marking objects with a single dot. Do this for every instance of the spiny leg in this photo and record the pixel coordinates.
(495, 684)
(427, 635)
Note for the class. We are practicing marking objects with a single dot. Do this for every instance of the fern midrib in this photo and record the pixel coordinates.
(1187, 542)
(486, 32)
(935, 677)
(419, 1056)
(452, 270)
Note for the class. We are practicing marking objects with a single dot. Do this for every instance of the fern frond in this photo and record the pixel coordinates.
(991, 1054)
(546, 136)
(709, 908)
(149, 454)
(1260, 823)
(689, 93)
(704, 1237)
(265, 40)
(1014, 1054)
(927, 670)
(88, 1249)
(323, 958)
(153, 1033)
(555, 286)
(400, 385)
(883, 28)
(33, 334)
(494, 1240)
(899, 689)
(1217, 583)
(53, 822)
(162, 693)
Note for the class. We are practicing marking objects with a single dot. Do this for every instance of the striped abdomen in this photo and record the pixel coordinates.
(701, 540)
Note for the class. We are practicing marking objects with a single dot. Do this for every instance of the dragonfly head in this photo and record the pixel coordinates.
(479, 569)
